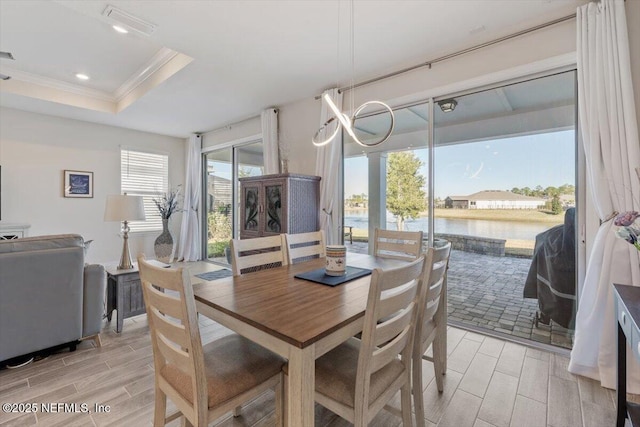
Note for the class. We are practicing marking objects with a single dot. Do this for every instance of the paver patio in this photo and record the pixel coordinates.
(486, 292)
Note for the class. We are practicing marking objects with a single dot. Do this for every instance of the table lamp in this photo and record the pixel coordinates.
(124, 208)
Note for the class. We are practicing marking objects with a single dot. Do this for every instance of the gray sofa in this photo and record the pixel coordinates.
(48, 296)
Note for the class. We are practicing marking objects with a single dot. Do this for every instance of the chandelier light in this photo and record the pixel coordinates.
(344, 121)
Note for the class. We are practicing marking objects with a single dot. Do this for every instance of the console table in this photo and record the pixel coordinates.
(124, 293)
(10, 231)
(627, 300)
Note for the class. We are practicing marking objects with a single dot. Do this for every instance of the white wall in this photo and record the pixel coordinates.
(35, 149)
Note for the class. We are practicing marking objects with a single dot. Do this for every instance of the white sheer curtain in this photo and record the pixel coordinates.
(328, 167)
(610, 135)
(189, 246)
(270, 141)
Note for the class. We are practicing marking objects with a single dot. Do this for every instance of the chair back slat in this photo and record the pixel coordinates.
(303, 246)
(164, 303)
(431, 309)
(165, 278)
(389, 329)
(173, 355)
(171, 330)
(390, 351)
(403, 245)
(396, 300)
(261, 252)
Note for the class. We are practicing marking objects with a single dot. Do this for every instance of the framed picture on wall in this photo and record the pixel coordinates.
(78, 184)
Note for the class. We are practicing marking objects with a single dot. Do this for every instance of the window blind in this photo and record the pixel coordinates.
(147, 175)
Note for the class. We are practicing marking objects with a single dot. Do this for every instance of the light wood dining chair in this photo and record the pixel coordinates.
(304, 246)
(249, 255)
(204, 382)
(431, 314)
(358, 378)
(402, 245)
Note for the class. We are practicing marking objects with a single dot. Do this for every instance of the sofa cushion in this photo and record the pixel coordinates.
(41, 242)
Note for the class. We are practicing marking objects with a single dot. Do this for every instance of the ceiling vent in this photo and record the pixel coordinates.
(5, 55)
(129, 21)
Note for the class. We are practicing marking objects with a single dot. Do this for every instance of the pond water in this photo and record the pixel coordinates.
(474, 227)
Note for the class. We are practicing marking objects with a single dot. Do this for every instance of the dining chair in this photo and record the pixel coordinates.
(249, 255)
(402, 245)
(304, 246)
(431, 314)
(359, 377)
(204, 382)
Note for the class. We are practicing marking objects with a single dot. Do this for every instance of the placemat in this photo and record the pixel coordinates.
(319, 276)
(213, 275)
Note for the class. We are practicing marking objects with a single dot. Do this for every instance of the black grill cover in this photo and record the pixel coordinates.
(552, 275)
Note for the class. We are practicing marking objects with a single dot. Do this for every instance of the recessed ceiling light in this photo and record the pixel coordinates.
(120, 29)
(82, 76)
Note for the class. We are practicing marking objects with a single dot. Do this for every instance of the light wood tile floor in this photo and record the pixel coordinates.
(489, 383)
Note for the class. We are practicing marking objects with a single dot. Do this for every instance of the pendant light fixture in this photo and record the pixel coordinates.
(348, 123)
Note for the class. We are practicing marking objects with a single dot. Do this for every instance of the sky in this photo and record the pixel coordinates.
(463, 169)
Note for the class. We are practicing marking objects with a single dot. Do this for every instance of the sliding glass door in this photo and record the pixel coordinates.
(500, 185)
(505, 196)
(223, 168)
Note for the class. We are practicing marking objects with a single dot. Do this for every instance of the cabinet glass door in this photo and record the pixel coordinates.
(273, 204)
(250, 218)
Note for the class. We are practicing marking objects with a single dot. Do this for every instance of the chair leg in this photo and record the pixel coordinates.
(186, 422)
(285, 399)
(418, 390)
(160, 411)
(280, 402)
(97, 340)
(236, 411)
(405, 396)
(439, 362)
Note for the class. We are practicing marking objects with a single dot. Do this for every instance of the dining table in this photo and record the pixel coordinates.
(297, 319)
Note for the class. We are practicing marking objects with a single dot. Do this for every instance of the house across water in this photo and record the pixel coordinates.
(494, 199)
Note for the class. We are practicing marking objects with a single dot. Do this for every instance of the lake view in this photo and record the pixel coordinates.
(475, 227)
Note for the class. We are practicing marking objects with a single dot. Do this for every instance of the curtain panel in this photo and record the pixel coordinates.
(328, 160)
(269, 119)
(189, 245)
(609, 131)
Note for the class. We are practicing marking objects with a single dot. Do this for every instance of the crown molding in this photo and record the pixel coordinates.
(58, 85)
(159, 68)
(162, 57)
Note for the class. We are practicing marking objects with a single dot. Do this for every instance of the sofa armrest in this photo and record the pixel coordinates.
(95, 283)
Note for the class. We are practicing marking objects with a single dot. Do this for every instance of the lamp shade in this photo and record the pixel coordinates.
(124, 208)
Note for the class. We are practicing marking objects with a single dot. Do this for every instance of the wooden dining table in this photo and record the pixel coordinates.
(295, 318)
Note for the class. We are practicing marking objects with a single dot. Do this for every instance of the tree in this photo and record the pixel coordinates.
(556, 206)
(405, 195)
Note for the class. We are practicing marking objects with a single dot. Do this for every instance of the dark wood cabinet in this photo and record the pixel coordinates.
(276, 204)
